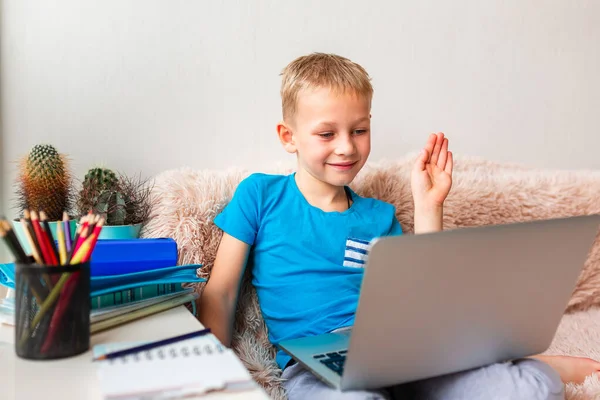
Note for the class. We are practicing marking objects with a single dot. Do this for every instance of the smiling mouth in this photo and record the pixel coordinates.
(345, 165)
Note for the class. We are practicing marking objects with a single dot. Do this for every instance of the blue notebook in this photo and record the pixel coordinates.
(7, 275)
(179, 274)
(115, 257)
(108, 284)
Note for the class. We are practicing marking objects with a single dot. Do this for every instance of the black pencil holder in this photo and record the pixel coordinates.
(52, 311)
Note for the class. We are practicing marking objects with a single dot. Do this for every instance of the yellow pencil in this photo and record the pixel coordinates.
(62, 247)
(54, 293)
(82, 251)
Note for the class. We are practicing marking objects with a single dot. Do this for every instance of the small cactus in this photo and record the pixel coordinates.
(119, 199)
(101, 179)
(44, 182)
(100, 194)
(112, 206)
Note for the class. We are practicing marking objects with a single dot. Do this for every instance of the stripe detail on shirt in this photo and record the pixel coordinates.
(356, 253)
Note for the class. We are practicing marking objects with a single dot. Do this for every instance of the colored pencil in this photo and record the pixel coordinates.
(82, 251)
(93, 223)
(77, 233)
(34, 249)
(46, 305)
(62, 248)
(47, 237)
(94, 239)
(59, 311)
(27, 216)
(13, 243)
(36, 254)
(40, 238)
(67, 226)
(86, 223)
(82, 237)
(50, 238)
(149, 346)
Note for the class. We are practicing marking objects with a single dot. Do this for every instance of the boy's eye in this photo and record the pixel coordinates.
(360, 131)
(326, 135)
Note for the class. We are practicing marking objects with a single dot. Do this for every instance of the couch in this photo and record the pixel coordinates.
(483, 193)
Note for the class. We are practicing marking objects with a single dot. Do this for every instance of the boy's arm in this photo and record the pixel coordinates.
(431, 180)
(428, 218)
(219, 298)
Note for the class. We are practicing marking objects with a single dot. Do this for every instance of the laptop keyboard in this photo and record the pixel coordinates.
(334, 360)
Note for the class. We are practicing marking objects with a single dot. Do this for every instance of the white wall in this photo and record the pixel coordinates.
(3, 251)
(148, 85)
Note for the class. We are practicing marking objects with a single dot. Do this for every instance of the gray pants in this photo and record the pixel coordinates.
(526, 379)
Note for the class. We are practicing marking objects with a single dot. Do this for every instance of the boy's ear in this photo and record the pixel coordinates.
(286, 137)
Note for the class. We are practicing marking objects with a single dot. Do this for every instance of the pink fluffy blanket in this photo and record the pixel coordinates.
(483, 193)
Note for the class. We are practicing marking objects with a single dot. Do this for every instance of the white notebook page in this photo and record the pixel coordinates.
(195, 365)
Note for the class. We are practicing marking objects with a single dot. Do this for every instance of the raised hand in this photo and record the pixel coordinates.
(431, 177)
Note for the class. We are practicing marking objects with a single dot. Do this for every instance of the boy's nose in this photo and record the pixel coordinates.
(345, 147)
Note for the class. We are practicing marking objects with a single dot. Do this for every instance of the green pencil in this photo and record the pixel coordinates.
(45, 306)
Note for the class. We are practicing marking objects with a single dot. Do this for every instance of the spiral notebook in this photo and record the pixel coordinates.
(187, 368)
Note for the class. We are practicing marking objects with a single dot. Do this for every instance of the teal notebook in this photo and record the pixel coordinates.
(131, 295)
(103, 313)
(112, 283)
(135, 314)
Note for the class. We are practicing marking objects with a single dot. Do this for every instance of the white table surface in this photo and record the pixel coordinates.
(75, 378)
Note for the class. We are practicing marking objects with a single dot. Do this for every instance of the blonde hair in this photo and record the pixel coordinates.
(322, 70)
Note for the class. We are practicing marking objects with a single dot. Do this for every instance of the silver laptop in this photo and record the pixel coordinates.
(449, 301)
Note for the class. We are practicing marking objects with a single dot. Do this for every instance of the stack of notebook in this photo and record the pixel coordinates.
(130, 279)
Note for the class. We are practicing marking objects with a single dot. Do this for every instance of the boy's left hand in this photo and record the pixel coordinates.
(431, 177)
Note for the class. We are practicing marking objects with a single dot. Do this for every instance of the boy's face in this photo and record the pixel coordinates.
(331, 135)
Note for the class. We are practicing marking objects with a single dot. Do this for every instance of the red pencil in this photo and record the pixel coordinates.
(82, 237)
(40, 237)
(49, 239)
(93, 222)
(94, 239)
(76, 238)
(88, 220)
(59, 311)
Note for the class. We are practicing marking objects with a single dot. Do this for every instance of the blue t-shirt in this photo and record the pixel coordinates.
(307, 264)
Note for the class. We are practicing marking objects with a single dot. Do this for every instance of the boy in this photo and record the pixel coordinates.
(294, 232)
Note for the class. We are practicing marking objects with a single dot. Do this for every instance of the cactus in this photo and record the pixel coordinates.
(101, 194)
(101, 179)
(120, 199)
(44, 182)
(112, 206)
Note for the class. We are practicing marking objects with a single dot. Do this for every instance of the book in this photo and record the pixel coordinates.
(195, 367)
(142, 312)
(102, 314)
(136, 294)
(110, 283)
(177, 274)
(7, 311)
(7, 275)
(124, 256)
